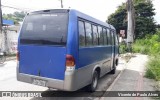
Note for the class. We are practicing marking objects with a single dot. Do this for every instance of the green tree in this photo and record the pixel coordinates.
(144, 20)
(16, 16)
(118, 19)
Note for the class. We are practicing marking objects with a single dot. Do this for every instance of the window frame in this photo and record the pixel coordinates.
(84, 33)
(97, 25)
(112, 37)
(93, 34)
(109, 40)
(116, 38)
(105, 44)
(30, 41)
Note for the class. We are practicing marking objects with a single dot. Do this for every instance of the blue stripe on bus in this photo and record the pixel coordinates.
(90, 55)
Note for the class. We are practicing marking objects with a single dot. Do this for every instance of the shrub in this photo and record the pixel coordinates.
(153, 68)
(150, 45)
(123, 48)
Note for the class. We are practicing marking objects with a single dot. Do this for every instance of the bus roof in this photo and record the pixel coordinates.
(87, 17)
(79, 14)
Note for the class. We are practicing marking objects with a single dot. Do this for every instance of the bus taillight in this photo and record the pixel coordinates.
(70, 62)
(17, 55)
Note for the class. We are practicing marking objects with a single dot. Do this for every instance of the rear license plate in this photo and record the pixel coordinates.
(39, 82)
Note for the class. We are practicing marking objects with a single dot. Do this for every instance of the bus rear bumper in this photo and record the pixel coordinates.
(66, 84)
(51, 83)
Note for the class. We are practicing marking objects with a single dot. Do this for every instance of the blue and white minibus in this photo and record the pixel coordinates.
(65, 49)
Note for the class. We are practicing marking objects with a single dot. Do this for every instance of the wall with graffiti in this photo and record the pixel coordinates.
(10, 40)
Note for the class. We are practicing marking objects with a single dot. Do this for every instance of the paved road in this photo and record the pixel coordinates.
(8, 81)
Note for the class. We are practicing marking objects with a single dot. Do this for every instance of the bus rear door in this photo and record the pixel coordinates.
(42, 45)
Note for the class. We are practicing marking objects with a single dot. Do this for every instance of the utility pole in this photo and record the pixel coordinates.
(61, 3)
(131, 24)
(3, 38)
(0, 18)
(1, 23)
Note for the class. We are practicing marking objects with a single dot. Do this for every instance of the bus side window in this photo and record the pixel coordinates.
(88, 34)
(108, 36)
(116, 38)
(112, 37)
(81, 34)
(105, 36)
(95, 35)
(101, 39)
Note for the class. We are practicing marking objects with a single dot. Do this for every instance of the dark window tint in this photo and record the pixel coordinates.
(116, 38)
(105, 36)
(112, 37)
(109, 37)
(49, 29)
(95, 35)
(81, 34)
(88, 34)
(101, 39)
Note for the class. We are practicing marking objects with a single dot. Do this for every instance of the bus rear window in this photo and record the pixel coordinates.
(45, 29)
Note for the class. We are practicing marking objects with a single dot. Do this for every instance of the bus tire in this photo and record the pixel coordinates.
(113, 71)
(93, 86)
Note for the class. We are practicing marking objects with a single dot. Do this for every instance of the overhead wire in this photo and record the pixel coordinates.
(16, 8)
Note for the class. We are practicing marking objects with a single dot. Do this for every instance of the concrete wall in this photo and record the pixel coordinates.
(12, 39)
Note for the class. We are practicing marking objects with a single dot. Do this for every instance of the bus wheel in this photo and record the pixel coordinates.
(93, 86)
(113, 71)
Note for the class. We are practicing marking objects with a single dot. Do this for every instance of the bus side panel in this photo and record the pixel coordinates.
(116, 52)
(89, 57)
(92, 55)
(72, 39)
(116, 47)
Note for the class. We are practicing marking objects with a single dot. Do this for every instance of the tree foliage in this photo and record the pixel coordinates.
(144, 20)
(16, 16)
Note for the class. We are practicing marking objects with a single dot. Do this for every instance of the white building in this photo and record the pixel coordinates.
(12, 33)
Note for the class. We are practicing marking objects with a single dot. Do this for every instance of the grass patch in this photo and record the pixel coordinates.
(153, 69)
(123, 48)
(150, 45)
